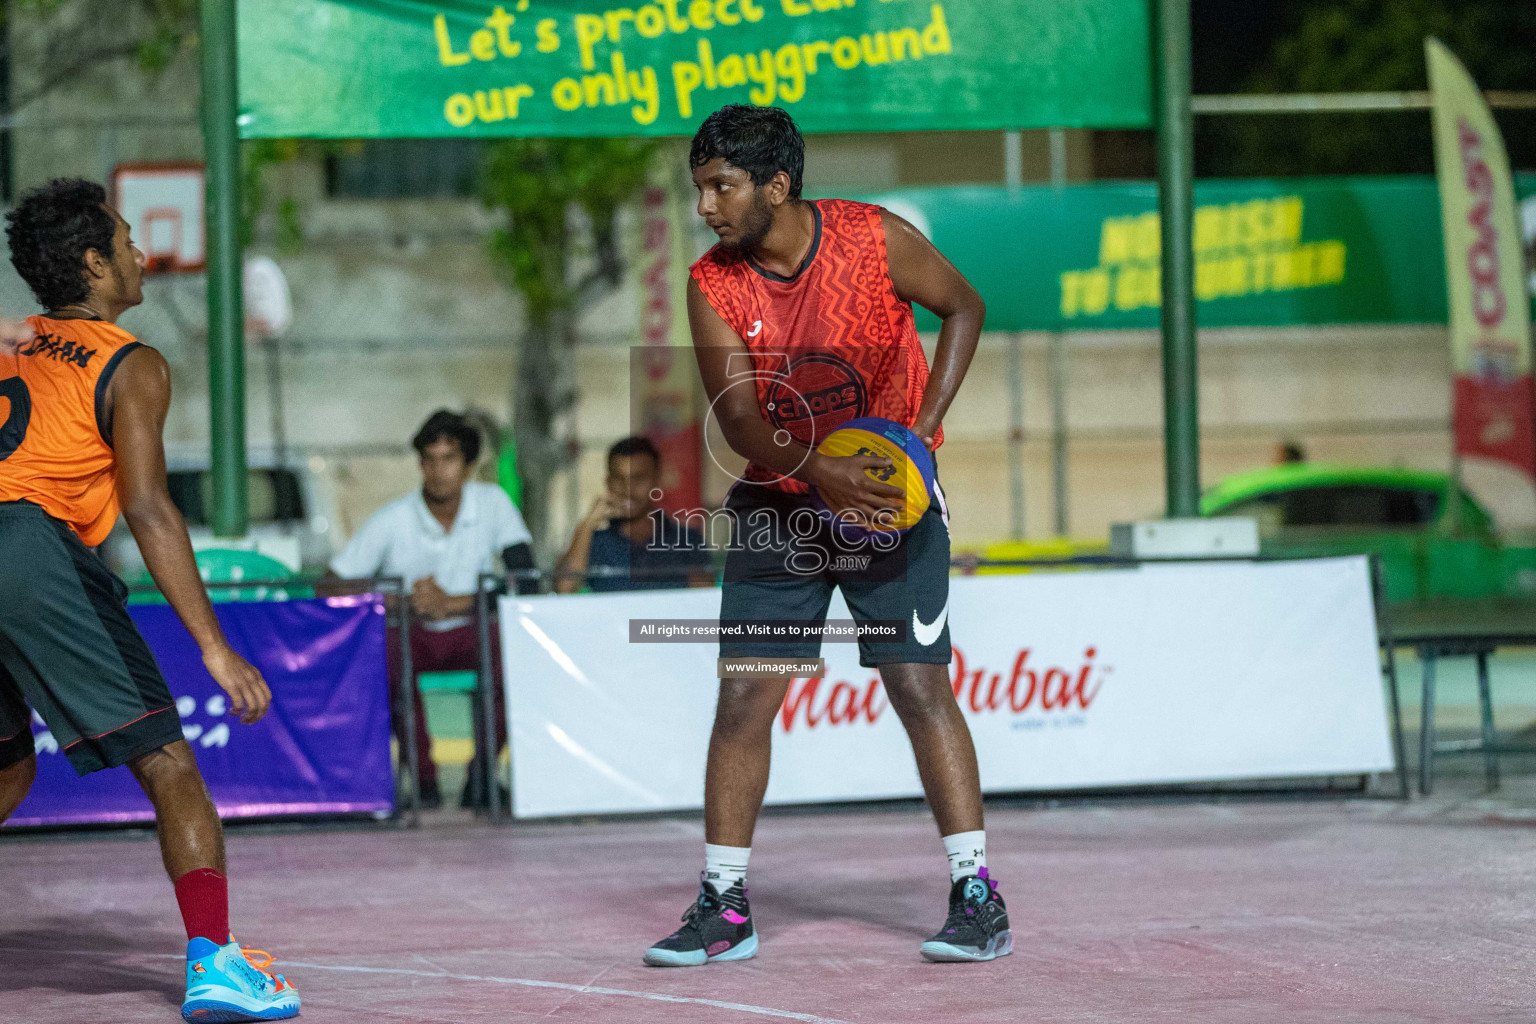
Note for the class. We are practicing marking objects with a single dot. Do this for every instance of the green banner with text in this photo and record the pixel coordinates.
(1268, 252)
(438, 68)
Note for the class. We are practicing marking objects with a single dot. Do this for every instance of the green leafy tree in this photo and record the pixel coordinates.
(1373, 46)
(151, 33)
(538, 184)
(152, 36)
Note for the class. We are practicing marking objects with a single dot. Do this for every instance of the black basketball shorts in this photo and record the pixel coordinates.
(784, 561)
(69, 649)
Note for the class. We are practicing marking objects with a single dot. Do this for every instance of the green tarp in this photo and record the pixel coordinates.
(402, 68)
(1268, 252)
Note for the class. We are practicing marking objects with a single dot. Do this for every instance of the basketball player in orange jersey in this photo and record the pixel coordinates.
(82, 406)
(809, 304)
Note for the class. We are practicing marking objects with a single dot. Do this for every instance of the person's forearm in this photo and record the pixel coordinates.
(455, 605)
(161, 534)
(957, 345)
(756, 440)
(571, 570)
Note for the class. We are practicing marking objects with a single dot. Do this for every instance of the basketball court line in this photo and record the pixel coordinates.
(762, 1011)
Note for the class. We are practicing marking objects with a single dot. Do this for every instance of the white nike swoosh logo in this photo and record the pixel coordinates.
(757, 328)
(927, 632)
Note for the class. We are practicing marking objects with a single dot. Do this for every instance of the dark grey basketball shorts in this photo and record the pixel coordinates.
(69, 649)
(784, 561)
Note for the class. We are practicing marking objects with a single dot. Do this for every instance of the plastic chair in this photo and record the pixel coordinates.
(447, 682)
(232, 565)
(463, 683)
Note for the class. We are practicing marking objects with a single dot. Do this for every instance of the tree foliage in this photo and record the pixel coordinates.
(152, 33)
(1372, 46)
(537, 184)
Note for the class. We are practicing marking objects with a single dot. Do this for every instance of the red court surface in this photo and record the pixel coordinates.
(1231, 912)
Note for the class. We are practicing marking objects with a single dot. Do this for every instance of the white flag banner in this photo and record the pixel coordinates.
(1163, 674)
(1493, 416)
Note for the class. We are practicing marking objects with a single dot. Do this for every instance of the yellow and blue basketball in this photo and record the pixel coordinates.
(911, 467)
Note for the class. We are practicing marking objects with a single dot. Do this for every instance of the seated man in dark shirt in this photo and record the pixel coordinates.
(628, 542)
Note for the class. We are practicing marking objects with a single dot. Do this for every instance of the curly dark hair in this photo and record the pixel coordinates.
(760, 140)
(448, 426)
(50, 231)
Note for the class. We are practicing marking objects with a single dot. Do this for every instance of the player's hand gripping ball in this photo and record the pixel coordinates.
(911, 471)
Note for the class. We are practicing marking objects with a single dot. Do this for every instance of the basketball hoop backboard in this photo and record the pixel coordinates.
(163, 205)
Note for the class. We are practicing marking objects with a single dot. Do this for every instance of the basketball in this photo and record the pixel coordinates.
(911, 467)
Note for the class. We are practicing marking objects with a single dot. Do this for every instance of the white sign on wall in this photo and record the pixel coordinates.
(1164, 674)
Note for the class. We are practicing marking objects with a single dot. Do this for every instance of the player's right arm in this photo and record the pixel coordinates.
(139, 397)
(571, 569)
(841, 480)
(13, 334)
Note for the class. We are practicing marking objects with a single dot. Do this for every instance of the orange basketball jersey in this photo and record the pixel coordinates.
(55, 442)
(833, 342)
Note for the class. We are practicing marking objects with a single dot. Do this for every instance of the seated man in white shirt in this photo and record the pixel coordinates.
(439, 540)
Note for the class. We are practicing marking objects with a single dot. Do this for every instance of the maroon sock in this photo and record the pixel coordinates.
(203, 895)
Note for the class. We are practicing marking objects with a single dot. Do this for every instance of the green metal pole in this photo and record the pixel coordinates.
(226, 318)
(1175, 200)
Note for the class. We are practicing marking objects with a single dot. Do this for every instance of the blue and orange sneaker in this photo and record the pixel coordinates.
(977, 926)
(228, 984)
(717, 927)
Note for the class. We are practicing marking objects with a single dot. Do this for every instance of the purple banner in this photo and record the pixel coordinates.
(323, 748)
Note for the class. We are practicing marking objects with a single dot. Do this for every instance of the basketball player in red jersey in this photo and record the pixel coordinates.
(802, 320)
(82, 407)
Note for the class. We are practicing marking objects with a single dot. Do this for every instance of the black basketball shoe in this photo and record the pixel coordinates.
(977, 926)
(716, 927)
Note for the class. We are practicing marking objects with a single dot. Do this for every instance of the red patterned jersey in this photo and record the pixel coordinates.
(831, 343)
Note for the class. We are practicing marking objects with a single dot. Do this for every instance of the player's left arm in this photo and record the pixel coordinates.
(139, 397)
(922, 275)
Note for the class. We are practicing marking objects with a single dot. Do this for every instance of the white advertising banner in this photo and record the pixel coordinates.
(1163, 674)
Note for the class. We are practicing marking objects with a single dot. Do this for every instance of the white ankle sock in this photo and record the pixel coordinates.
(967, 853)
(724, 866)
